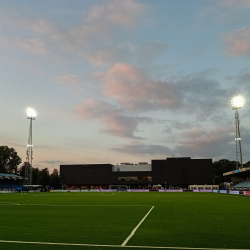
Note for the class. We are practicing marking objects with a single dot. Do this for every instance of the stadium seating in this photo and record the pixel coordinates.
(7, 186)
(244, 184)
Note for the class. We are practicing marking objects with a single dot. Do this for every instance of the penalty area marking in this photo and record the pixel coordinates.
(133, 232)
(96, 245)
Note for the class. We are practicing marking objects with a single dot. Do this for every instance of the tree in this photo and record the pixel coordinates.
(35, 176)
(44, 178)
(21, 170)
(9, 160)
(54, 179)
(220, 167)
(247, 164)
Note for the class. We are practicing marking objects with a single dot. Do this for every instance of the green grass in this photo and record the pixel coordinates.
(191, 220)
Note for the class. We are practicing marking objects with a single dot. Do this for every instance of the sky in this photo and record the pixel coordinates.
(124, 80)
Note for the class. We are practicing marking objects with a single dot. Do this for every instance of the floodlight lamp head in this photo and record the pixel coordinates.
(237, 102)
(31, 113)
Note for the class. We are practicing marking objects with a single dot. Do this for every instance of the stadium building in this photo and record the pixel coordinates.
(169, 173)
(240, 178)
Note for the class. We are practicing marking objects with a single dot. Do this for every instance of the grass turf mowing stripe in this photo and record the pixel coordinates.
(118, 246)
(133, 232)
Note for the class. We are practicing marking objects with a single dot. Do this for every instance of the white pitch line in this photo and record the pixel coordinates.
(96, 245)
(52, 205)
(133, 232)
(235, 195)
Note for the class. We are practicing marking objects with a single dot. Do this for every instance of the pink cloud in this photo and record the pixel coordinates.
(90, 109)
(134, 90)
(123, 13)
(92, 39)
(237, 42)
(114, 121)
(111, 54)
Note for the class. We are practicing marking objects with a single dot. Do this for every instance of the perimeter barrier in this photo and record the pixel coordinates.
(145, 190)
(159, 190)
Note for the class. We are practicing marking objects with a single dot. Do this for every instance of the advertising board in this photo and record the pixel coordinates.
(215, 191)
(234, 192)
(202, 190)
(247, 192)
(223, 191)
(138, 190)
(170, 190)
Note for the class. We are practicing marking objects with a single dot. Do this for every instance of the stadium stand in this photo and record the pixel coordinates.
(10, 181)
(244, 184)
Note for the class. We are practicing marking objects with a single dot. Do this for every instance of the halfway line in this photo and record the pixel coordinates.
(133, 232)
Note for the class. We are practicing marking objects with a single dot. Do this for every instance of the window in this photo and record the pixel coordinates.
(135, 179)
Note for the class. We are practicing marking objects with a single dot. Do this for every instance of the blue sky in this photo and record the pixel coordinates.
(124, 81)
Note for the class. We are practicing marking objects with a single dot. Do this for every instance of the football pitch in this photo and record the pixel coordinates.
(124, 220)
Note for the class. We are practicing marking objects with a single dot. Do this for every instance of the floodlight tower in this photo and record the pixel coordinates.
(237, 102)
(31, 114)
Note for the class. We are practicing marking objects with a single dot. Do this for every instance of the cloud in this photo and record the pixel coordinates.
(196, 54)
(236, 4)
(115, 121)
(32, 68)
(92, 39)
(175, 124)
(111, 54)
(151, 50)
(210, 143)
(117, 13)
(68, 79)
(53, 162)
(134, 90)
(33, 45)
(143, 149)
(72, 82)
(242, 80)
(237, 42)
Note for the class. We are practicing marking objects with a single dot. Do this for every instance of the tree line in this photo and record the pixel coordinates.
(10, 161)
(10, 164)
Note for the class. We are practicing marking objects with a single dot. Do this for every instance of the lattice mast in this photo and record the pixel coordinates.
(237, 102)
(31, 114)
(239, 163)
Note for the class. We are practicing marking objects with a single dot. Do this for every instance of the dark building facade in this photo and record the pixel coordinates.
(182, 171)
(170, 172)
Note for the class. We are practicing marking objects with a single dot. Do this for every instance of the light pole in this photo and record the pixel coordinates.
(237, 102)
(31, 114)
